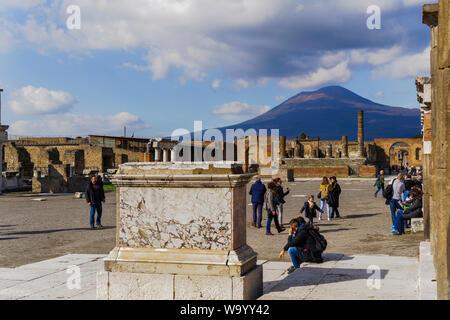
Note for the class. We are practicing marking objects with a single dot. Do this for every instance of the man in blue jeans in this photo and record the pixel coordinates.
(94, 197)
(298, 235)
(398, 188)
(257, 192)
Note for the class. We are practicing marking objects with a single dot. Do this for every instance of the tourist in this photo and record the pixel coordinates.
(310, 208)
(298, 236)
(398, 187)
(414, 211)
(257, 191)
(270, 203)
(302, 246)
(281, 194)
(380, 183)
(94, 197)
(408, 185)
(333, 198)
(325, 189)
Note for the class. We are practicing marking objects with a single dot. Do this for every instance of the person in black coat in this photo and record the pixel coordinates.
(95, 195)
(333, 199)
(299, 239)
(310, 208)
(257, 191)
(280, 196)
(414, 211)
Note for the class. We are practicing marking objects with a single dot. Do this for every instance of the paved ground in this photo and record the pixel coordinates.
(339, 277)
(32, 231)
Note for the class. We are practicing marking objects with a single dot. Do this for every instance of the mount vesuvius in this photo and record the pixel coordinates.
(332, 112)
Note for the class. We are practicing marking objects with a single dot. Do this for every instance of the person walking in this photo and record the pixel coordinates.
(333, 198)
(380, 183)
(325, 189)
(398, 187)
(310, 208)
(270, 203)
(257, 191)
(95, 195)
(281, 194)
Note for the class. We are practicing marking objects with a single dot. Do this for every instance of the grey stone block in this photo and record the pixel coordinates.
(417, 225)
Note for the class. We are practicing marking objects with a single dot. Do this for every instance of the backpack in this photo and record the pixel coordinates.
(389, 191)
(324, 193)
(320, 241)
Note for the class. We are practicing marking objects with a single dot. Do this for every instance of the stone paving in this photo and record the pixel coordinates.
(339, 277)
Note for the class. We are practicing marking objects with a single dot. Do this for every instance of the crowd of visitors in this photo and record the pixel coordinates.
(305, 243)
(404, 197)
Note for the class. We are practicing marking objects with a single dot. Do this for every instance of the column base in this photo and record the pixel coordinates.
(142, 286)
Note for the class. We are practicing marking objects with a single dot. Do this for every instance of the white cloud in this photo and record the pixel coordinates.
(215, 84)
(69, 124)
(408, 65)
(375, 57)
(240, 39)
(338, 74)
(379, 94)
(20, 4)
(32, 100)
(236, 109)
(252, 83)
(280, 98)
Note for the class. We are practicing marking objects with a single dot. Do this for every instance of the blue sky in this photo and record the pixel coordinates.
(158, 65)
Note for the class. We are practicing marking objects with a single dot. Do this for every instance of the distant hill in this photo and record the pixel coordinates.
(332, 112)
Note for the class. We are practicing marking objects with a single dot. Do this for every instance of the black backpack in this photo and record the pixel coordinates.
(319, 240)
(389, 191)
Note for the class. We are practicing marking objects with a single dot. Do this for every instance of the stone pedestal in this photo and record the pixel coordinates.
(181, 234)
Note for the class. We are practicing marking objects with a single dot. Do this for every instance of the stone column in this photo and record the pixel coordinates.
(157, 154)
(165, 155)
(3, 137)
(297, 151)
(423, 85)
(317, 153)
(173, 155)
(437, 17)
(181, 234)
(329, 151)
(282, 147)
(345, 146)
(361, 149)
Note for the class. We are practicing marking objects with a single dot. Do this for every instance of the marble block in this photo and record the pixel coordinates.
(140, 286)
(185, 220)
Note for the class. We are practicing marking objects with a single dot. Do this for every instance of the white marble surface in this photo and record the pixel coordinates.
(189, 218)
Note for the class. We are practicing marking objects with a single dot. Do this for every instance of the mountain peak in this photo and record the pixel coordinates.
(331, 112)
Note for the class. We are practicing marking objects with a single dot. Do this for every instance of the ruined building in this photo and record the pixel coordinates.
(65, 164)
(342, 158)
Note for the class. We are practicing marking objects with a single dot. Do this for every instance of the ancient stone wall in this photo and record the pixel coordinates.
(437, 17)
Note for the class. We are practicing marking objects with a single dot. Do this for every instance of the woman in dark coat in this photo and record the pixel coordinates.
(334, 198)
(310, 208)
(414, 211)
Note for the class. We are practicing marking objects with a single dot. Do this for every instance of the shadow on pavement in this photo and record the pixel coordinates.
(53, 231)
(355, 216)
(311, 276)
